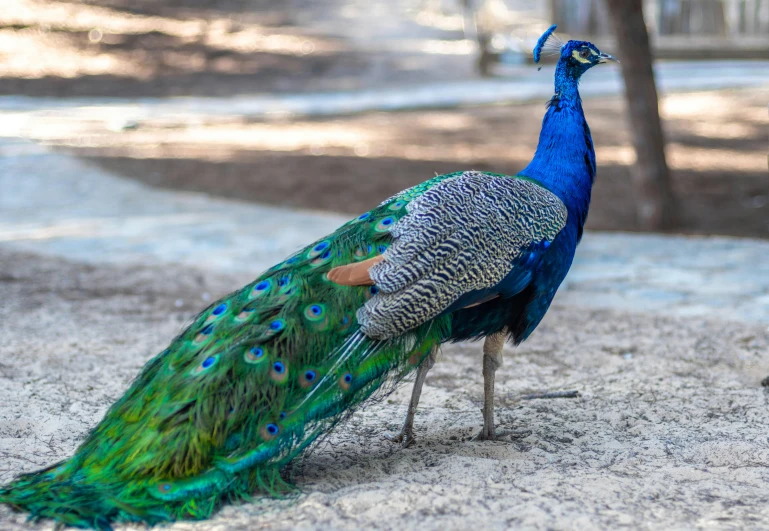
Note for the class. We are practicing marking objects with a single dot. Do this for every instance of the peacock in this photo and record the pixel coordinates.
(265, 371)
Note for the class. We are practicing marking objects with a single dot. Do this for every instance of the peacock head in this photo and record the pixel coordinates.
(576, 57)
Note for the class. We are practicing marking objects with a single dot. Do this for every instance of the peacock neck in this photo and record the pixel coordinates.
(565, 159)
(567, 82)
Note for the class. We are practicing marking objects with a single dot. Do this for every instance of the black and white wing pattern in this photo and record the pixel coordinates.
(463, 234)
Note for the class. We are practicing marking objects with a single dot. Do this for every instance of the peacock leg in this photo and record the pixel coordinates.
(406, 435)
(492, 360)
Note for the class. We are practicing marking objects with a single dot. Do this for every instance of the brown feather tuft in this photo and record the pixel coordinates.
(354, 274)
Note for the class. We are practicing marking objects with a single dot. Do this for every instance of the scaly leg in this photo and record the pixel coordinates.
(406, 435)
(492, 360)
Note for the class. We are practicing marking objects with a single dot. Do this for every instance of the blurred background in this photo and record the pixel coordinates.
(334, 105)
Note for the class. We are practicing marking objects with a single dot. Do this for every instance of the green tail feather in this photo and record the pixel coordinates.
(259, 376)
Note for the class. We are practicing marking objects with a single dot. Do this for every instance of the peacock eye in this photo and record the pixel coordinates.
(584, 54)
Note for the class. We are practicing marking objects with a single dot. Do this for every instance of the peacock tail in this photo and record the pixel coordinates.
(252, 382)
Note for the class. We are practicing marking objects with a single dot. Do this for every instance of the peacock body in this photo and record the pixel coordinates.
(263, 372)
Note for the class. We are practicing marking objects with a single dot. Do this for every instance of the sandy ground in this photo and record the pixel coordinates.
(670, 429)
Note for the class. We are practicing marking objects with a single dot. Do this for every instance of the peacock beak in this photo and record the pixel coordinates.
(605, 58)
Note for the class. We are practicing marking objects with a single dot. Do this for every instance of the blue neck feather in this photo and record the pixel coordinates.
(565, 159)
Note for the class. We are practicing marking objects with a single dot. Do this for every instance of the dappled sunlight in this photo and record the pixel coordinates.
(720, 105)
(446, 121)
(722, 130)
(220, 142)
(450, 136)
(70, 40)
(29, 54)
(717, 161)
(222, 32)
(80, 17)
(698, 159)
(622, 155)
(461, 47)
(712, 123)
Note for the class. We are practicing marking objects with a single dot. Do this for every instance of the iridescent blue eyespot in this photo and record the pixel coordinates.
(322, 245)
(207, 330)
(283, 281)
(364, 216)
(282, 415)
(204, 365)
(263, 285)
(546, 244)
(272, 429)
(373, 290)
(292, 259)
(166, 487)
(279, 367)
(310, 376)
(255, 354)
(277, 325)
(316, 310)
(381, 249)
(344, 382)
(345, 320)
(220, 309)
(325, 255)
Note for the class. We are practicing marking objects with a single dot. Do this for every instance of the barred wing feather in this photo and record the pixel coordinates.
(464, 234)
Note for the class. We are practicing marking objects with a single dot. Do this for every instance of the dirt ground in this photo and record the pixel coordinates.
(669, 430)
(146, 48)
(717, 150)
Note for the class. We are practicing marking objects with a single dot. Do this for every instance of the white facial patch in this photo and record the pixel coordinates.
(575, 55)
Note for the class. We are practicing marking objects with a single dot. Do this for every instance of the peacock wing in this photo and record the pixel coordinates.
(473, 233)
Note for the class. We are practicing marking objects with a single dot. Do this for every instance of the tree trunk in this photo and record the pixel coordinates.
(654, 197)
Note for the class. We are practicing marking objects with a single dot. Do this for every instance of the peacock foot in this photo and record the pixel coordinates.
(405, 438)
